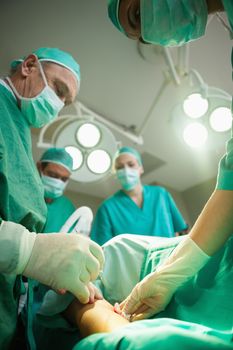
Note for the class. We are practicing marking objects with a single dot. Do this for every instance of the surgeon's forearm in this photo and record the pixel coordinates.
(215, 223)
(94, 318)
(16, 244)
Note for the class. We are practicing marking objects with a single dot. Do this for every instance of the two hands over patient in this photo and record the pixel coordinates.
(148, 297)
(154, 292)
(95, 317)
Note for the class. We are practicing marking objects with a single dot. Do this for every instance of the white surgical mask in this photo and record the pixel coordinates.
(129, 178)
(41, 109)
(53, 188)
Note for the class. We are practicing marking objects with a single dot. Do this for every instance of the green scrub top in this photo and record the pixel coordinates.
(21, 199)
(159, 216)
(59, 210)
(225, 171)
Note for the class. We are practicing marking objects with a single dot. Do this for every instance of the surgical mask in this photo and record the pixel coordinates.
(41, 109)
(128, 178)
(171, 23)
(53, 188)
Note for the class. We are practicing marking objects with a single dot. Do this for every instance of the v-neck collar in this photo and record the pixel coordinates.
(132, 203)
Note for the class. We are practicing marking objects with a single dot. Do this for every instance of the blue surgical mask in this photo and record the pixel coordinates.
(170, 23)
(41, 109)
(129, 178)
(53, 188)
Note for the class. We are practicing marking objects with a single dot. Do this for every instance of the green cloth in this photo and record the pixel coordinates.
(200, 315)
(21, 199)
(160, 334)
(159, 216)
(59, 210)
(225, 170)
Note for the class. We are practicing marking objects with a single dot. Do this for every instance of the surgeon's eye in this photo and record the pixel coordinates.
(59, 92)
(131, 164)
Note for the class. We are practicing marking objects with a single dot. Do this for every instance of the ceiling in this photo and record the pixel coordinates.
(120, 80)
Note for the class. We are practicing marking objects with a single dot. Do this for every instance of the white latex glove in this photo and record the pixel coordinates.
(60, 261)
(95, 294)
(154, 292)
(64, 261)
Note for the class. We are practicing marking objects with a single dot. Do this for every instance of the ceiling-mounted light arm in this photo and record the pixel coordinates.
(219, 93)
(78, 108)
(124, 131)
(183, 60)
(170, 63)
(205, 89)
(148, 116)
(41, 143)
(200, 82)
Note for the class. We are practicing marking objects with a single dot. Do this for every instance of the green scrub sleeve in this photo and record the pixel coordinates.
(16, 244)
(225, 170)
(101, 231)
(179, 223)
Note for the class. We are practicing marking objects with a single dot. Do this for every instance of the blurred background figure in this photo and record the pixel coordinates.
(136, 208)
(55, 167)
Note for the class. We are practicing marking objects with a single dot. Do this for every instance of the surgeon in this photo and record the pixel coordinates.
(136, 208)
(55, 167)
(170, 23)
(37, 88)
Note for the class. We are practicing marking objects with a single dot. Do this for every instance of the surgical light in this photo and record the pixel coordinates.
(195, 135)
(195, 106)
(88, 135)
(221, 119)
(77, 156)
(88, 138)
(99, 161)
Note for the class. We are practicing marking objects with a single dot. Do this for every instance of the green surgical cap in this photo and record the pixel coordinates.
(58, 156)
(113, 7)
(55, 55)
(129, 150)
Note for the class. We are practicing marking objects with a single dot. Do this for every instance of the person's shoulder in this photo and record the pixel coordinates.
(155, 189)
(65, 200)
(5, 93)
(110, 200)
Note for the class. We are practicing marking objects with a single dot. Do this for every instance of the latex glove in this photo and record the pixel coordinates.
(154, 292)
(64, 261)
(61, 261)
(95, 293)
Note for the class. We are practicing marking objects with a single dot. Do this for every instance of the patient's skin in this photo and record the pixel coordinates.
(94, 318)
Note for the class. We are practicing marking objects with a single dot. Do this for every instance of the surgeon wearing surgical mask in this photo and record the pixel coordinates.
(38, 86)
(170, 23)
(136, 208)
(55, 167)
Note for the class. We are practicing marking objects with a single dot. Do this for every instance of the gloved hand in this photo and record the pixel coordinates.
(95, 293)
(64, 261)
(61, 261)
(154, 292)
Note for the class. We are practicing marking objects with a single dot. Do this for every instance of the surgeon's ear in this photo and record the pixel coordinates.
(29, 65)
(38, 165)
